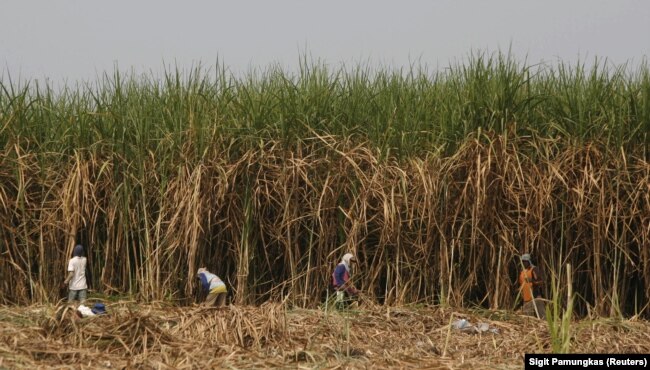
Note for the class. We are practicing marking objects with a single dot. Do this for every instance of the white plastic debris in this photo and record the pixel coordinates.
(466, 327)
(460, 324)
(483, 327)
(85, 311)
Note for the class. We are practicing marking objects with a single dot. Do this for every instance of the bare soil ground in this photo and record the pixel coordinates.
(160, 336)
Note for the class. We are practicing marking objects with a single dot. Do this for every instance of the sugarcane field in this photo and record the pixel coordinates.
(329, 218)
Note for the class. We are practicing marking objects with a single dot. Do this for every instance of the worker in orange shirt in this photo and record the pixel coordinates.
(531, 281)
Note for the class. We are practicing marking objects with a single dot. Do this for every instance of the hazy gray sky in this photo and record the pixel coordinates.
(77, 39)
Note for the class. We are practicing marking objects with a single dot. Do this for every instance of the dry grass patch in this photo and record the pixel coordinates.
(163, 336)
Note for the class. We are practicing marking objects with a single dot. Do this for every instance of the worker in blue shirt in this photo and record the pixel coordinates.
(341, 282)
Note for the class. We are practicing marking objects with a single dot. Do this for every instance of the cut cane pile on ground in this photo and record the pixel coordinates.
(270, 335)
